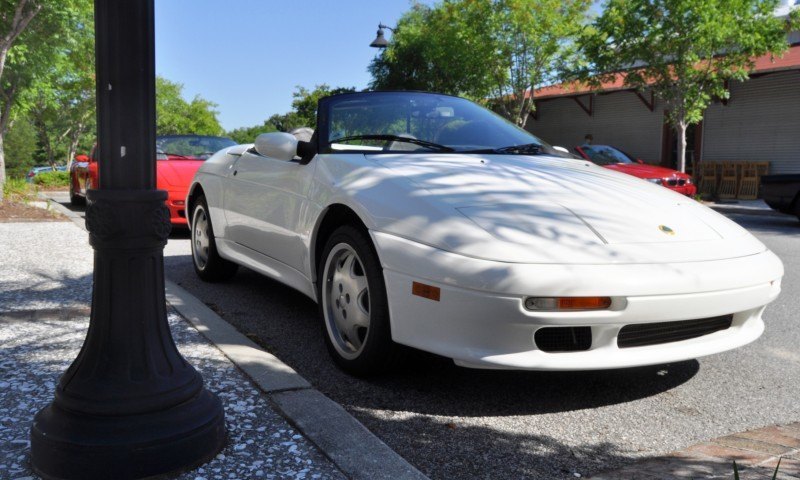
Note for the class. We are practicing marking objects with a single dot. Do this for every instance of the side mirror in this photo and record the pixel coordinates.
(560, 149)
(639, 160)
(82, 158)
(279, 145)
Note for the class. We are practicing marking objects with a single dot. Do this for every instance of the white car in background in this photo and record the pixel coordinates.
(424, 220)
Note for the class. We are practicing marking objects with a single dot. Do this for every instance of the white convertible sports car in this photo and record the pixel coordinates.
(424, 220)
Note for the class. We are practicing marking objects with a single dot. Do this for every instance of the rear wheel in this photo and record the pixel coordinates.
(353, 304)
(208, 265)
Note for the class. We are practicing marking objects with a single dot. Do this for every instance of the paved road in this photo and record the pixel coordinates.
(459, 423)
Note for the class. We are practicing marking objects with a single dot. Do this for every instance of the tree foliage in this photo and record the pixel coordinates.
(303, 114)
(175, 115)
(432, 49)
(684, 50)
(20, 147)
(494, 50)
(60, 99)
(33, 33)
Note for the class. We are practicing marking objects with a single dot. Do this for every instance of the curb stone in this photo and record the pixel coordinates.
(756, 452)
(356, 451)
(74, 217)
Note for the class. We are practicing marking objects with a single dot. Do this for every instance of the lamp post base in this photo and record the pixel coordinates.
(130, 406)
(71, 446)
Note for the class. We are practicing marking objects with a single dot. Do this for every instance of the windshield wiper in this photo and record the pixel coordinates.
(396, 138)
(525, 149)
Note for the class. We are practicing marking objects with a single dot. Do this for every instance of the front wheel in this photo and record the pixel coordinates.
(208, 265)
(354, 306)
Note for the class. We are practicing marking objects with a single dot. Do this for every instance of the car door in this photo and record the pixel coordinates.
(265, 200)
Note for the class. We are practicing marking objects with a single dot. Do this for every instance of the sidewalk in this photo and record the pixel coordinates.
(756, 453)
(746, 207)
(45, 290)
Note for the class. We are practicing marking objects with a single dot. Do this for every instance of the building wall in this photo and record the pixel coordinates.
(760, 123)
(619, 118)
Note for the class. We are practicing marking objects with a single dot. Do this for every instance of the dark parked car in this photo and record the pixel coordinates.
(782, 193)
(41, 169)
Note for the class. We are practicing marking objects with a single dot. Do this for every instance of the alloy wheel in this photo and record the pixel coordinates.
(346, 303)
(200, 238)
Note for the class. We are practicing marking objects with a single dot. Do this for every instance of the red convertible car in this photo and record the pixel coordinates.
(178, 158)
(615, 159)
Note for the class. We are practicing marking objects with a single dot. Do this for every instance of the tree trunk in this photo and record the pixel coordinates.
(72, 149)
(681, 128)
(2, 166)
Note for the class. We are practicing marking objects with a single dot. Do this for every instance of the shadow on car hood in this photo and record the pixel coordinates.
(547, 209)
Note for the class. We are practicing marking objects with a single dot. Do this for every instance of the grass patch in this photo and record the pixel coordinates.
(18, 190)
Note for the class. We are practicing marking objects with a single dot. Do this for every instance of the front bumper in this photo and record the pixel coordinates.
(176, 203)
(480, 320)
(690, 190)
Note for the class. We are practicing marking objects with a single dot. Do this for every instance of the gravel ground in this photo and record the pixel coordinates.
(457, 423)
(51, 274)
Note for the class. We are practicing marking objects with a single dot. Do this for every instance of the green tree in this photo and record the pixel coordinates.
(248, 134)
(61, 98)
(174, 115)
(684, 50)
(434, 49)
(303, 114)
(30, 34)
(20, 143)
(494, 50)
(305, 101)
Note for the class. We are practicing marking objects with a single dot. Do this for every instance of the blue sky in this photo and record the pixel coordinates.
(248, 55)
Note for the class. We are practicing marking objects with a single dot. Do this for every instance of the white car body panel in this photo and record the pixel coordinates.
(490, 230)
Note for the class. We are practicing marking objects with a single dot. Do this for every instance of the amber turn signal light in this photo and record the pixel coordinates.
(426, 291)
(555, 304)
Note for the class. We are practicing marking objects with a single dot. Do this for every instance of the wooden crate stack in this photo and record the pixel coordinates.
(730, 180)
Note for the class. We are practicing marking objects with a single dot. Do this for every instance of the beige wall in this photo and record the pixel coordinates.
(618, 119)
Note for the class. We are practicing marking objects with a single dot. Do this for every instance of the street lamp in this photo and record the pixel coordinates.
(130, 406)
(380, 41)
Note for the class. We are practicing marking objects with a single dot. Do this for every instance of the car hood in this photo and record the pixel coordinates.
(177, 173)
(539, 209)
(645, 171)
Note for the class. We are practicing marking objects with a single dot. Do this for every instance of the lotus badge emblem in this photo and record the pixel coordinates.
(666, 230)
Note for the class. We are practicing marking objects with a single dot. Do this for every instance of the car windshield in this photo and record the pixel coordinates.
(605, 155)
(415, 122)
(193, 147)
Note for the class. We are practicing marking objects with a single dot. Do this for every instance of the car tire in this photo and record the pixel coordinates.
(207, 263)
(75, 199)
(350, 284)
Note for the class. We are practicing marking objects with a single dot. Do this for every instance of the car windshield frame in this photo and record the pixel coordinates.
(164, 154)
(429, 108)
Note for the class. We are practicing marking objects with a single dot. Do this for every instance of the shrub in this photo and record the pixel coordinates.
(52, 179)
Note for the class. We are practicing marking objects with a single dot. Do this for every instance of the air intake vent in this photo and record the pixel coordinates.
(644, 334)
(563, 339)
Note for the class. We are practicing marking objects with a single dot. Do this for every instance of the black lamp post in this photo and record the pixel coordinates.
(380, 41)
(129, 406)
